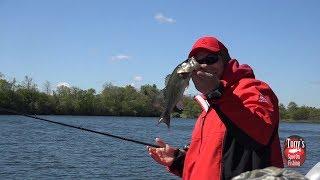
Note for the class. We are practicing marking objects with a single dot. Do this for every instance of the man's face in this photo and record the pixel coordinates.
(207, 77)
(215, 68)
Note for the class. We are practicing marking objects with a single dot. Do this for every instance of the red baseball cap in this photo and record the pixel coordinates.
(209, 43)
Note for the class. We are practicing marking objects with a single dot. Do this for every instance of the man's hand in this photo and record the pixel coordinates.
(163, 155)
(205, 81)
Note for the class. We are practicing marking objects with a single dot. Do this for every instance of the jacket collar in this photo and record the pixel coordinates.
(233, 72)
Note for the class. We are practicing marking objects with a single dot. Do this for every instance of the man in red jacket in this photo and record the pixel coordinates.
(237, 130)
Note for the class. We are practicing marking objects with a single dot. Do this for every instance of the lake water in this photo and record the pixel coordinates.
(31, 149)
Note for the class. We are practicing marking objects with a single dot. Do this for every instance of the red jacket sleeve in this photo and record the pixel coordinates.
(253, 107)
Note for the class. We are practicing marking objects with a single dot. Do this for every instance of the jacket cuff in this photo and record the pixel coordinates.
(178, 162)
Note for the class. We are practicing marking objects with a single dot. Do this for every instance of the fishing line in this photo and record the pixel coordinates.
(77, 127)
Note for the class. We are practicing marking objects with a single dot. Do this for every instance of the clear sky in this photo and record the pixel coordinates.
(88, 43)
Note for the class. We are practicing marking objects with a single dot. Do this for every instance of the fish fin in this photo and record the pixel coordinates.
(165, 118)
(188, 59)
(167, 79)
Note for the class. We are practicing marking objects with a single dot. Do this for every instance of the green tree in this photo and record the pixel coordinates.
(154, 99)
(7, 95)
(291, 108)
(111, 98)
(27, 96)
(314, 114)
(301, 113)
(191, 108)
(47, 88)
(133, 102)
(283, 112)
(64, 100)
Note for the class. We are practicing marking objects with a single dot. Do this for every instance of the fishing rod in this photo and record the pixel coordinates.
(77, 127)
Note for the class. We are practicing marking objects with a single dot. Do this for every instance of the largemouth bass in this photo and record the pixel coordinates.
(176, 83)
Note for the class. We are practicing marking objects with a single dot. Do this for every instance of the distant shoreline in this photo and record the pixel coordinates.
(147, 101)
(284, 120)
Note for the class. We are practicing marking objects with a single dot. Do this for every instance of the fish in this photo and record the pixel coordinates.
(176, 83)
(292, 151)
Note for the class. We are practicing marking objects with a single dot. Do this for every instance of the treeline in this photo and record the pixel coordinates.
(293, 112)
(111, 101)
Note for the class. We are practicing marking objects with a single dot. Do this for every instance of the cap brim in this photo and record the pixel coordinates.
(196, 50)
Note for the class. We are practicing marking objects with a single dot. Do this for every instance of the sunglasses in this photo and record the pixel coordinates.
(210, 59)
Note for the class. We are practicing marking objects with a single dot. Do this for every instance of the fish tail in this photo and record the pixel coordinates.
(165, 118)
